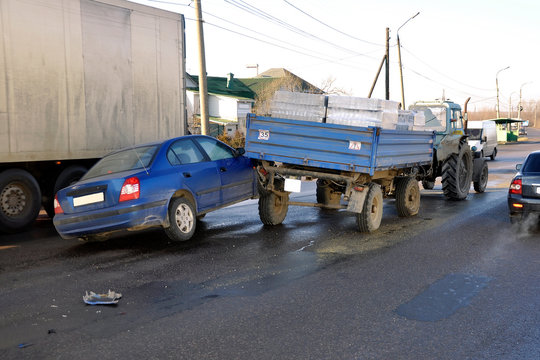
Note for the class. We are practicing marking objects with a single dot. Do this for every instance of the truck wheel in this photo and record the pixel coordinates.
(326, 195)
(273, 208)
(20, 199)
(68, 176)
(182, 219)
(407, 196)
(428, 185)
(457, 174)
(481, 184)
(492, 156)
(370, 218)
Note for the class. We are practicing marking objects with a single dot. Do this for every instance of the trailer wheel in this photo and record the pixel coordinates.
(182, 219)
(273, 208)
(370, 218)
(428, 185)
(326, 195)
(68, 176)
(20, 199)
(457, 173)
(407, 196)
(481, 184)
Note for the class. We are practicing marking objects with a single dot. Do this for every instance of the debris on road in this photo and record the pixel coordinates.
(110, 298)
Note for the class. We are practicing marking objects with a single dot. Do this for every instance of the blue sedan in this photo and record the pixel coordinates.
(168, 184)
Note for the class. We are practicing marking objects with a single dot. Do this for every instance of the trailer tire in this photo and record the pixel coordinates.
(428, 185)
(68, 176)
(407, 196)
(481, 183)
(370, 218)
(273, 208)
(20, 199)
(326, 195)
(182, 219)
(457, 173)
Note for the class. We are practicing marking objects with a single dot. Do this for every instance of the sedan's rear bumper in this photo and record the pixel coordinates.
(105, 221)
(520, 207)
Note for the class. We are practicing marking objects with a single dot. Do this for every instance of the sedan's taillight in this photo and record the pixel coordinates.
(131, 189)
(57, 207)
(515, 186)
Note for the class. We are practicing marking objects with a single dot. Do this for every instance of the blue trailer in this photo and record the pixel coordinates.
(355, 167)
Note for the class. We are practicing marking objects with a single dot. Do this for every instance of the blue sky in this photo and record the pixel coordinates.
(455, 47)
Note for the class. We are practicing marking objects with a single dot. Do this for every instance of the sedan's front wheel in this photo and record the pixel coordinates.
(182, 219)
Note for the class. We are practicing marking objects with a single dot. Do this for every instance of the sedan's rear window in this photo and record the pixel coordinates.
(131, 159)
(532, 164)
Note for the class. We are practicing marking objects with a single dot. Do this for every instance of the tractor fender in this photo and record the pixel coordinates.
(449, 145)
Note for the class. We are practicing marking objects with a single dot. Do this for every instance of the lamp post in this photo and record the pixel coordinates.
(400, 65)
(497, 85)
(519, 107)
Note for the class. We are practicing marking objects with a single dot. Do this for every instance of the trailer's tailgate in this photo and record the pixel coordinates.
(337, 147)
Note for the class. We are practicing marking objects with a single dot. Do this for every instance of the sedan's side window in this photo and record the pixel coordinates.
(184, 151)
(215, 149)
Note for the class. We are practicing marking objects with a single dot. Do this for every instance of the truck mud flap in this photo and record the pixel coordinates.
(356, 200)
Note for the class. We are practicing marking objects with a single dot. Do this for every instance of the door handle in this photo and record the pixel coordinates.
(186, 174)
(222, 169)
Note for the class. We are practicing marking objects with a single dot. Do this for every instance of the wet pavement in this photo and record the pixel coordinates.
(457, 281)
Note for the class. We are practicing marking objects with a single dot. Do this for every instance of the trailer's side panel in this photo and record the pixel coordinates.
(306, 143)
(336, 147)
(4, 125)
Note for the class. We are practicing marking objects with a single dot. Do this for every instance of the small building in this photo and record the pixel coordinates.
(229, 102)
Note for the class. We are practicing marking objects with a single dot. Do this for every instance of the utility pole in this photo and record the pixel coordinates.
(497, 85)
(387, 56)
(400, 63)
(203, 87)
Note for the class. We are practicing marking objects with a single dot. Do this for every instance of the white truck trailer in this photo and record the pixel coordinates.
(78, 79)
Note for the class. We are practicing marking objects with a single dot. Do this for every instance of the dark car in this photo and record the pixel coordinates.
(167, 184)
(524, 192)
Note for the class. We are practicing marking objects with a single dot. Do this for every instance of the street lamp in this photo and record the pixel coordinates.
(519, 108)
(400, 65)
(497, 84)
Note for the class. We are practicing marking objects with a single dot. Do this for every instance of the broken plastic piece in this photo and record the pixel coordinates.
(110, 298)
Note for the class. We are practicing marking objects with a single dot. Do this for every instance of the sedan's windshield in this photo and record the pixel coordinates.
(532, 164)
(130, 159)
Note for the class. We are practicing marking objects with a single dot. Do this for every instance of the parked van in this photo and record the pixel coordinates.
(483, 137)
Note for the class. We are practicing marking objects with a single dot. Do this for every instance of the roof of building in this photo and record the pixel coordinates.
(218, 86)
(270, 76)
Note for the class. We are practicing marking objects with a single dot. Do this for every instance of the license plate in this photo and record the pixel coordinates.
(88, 199)
(293, 185)
(538, 190)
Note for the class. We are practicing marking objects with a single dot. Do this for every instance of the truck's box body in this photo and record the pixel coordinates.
(79, 78)
(336, 147)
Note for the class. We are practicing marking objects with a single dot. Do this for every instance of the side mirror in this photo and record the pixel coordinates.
(240, 151)
(518, 167)
(484, 139)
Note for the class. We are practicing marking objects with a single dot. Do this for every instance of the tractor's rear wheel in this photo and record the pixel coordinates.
(457, 173)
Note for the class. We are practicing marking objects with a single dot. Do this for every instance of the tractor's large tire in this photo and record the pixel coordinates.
(480, 184)
(326, 195)
(370, 218)
(20, 199)
(407, 196)
(273, 208)
(457, 173)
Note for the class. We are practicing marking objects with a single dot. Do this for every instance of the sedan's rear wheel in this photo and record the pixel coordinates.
(182, 220)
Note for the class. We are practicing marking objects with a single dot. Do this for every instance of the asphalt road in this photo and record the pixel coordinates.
(458, 281)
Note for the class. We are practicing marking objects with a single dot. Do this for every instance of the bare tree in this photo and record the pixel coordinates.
(328, 87)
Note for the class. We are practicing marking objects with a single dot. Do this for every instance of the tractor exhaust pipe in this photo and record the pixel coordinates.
(465, 114)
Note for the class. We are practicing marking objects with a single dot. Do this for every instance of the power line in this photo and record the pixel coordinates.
(331, 27)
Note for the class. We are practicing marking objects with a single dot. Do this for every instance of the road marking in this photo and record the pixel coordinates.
(7, 247)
